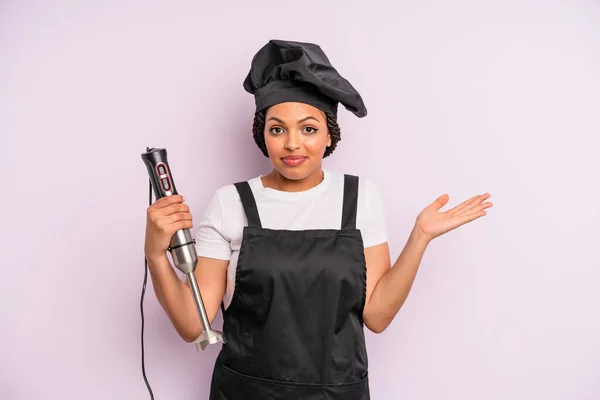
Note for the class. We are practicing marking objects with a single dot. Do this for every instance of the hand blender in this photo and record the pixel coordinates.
(182, 244)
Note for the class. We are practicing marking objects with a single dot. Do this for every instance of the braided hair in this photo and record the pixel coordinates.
(258, 130)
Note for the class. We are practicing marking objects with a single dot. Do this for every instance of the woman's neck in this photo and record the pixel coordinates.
(277, 181)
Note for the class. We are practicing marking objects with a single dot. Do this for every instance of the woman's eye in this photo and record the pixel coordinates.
(310, 129)
(276, 130)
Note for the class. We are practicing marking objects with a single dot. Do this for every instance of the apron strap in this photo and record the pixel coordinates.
(350, 202)
(249, 204)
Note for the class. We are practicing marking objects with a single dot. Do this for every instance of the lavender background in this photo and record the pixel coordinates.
(463, 97)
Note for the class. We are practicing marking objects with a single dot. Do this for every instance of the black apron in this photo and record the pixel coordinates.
(294, 327)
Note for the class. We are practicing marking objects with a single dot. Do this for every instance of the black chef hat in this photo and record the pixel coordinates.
(294, 71)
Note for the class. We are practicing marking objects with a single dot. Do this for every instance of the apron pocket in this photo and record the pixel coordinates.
(234, 385)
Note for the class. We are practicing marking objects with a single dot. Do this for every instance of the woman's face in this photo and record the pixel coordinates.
(296, 137)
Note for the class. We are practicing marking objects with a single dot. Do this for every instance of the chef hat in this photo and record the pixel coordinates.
(284, 71)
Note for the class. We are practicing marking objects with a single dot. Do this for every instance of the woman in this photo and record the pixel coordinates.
(298, 259)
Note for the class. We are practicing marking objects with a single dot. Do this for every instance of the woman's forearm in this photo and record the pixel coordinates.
(174, 297)
(394, 286)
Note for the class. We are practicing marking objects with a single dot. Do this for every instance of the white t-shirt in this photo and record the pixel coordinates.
(219, 231)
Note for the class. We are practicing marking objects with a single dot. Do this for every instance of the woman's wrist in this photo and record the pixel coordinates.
(155, 258)
(419, 237)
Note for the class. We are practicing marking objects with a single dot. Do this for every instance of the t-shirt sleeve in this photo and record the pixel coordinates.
(373, 226)
(210, 239)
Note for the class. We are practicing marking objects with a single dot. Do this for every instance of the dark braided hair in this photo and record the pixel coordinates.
(258, 129)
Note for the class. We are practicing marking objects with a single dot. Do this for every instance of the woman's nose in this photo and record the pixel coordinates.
(292, 141)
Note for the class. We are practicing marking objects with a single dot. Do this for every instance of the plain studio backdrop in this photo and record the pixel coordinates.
(464, 97)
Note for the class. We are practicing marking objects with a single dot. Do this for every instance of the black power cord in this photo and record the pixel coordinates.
(142, 310)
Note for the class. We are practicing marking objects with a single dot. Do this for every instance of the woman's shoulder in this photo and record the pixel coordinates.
(366, 184)
(369, 192)
(228, 193)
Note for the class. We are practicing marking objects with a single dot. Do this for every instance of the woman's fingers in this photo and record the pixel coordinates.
(469, 215)
(466, 205)
(180, 216)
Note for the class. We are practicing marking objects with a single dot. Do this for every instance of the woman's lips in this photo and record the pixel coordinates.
(293, 161)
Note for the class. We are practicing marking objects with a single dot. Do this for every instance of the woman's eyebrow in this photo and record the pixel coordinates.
(276, 119)
(307, 118)
(300, 121)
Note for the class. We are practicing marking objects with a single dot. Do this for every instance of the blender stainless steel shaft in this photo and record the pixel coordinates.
(182, 246)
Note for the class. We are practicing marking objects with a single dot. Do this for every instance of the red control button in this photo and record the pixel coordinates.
(165, 184)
